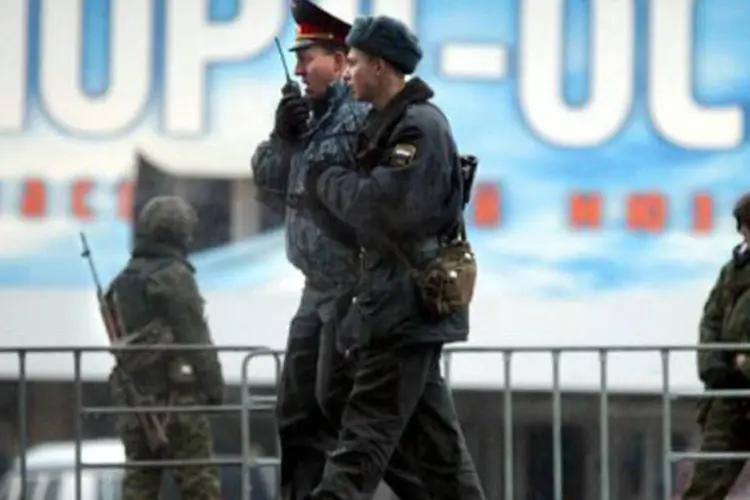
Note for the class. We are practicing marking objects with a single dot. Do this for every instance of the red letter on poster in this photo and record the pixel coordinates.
(703, 213)
(585, 210)
(487, 205)
(647, 212)
(34, 199)
(79, 200)
(125, 200)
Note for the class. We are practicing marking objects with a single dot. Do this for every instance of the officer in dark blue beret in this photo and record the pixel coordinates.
(405, 204)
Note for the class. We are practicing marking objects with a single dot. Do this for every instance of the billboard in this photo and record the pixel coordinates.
(611, 134)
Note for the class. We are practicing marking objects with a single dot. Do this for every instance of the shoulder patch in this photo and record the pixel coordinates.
(403, 154)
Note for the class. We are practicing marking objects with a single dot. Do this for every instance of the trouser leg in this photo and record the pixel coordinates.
(138, 482)
(726, 429)
(437, 444)
(401, 474)
(190, 439)
(304, 433)
(388, 385)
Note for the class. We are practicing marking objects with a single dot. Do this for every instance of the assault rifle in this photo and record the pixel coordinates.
(156, 437)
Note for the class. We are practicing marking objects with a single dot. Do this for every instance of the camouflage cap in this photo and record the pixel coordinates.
(741, 211)
(167, 219)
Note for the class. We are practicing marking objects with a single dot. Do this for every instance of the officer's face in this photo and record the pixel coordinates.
(362, 74)
(318, 68)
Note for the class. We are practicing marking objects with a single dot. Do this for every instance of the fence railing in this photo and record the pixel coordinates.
(253, 401)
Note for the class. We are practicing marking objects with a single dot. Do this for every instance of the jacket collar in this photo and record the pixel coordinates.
(381, 122)
(324, 108)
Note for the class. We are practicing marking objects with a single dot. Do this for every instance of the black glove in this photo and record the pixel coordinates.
(309, 203)
(726, 378)
(291, 113)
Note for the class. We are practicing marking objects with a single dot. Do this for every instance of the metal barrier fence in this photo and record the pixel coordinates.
(252, 402)
(245, 461)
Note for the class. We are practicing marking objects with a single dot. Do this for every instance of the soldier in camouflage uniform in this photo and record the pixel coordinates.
(319, 127)
(725, 422)
(404, 203)
(157, 301)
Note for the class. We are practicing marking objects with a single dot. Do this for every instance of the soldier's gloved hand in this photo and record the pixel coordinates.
(291, 113)
(726, 378)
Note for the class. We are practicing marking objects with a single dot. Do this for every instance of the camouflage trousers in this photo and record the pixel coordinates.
(725, 428)
(189, 439)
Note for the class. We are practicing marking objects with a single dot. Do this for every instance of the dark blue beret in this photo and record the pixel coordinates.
(388, 39)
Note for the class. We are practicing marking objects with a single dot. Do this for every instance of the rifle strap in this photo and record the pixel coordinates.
(114, 309)
(168, 417)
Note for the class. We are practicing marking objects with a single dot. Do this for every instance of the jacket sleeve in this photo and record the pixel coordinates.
(413, 182)
(175, 292)
(710, 362)
(270, 164)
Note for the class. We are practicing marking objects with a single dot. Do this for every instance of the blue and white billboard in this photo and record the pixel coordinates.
(612, 137)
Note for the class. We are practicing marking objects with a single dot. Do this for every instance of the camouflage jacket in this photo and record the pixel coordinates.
(726, 314)
(279, 171)
(408, 193)
(157, 289)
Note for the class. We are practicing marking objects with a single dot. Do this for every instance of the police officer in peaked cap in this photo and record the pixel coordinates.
(315, 124)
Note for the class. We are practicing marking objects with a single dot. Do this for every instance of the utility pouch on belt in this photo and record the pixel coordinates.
(446, 284)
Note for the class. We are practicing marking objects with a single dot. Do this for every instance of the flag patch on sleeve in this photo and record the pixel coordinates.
(403, 154)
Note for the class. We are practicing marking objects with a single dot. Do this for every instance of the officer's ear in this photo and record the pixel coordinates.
(339, 60)
(378, 66)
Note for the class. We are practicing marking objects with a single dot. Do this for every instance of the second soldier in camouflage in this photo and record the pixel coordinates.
(725, 422)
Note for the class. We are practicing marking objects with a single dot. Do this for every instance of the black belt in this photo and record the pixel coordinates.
(420, 249)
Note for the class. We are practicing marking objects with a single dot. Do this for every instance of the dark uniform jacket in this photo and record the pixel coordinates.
(408, 191)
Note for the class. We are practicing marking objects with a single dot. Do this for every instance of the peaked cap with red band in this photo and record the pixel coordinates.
(315, 25)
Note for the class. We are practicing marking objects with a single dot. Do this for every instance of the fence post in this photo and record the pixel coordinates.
(508, 425)
(603, 426)
(666, 427)
(245, 428)
(78, 421)
(23, 417)
(246, 407)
